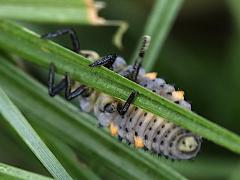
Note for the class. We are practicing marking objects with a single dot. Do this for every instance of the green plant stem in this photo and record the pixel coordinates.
(28, 45)
(30, 137)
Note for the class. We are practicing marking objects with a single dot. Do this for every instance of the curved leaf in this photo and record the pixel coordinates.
(30, 137)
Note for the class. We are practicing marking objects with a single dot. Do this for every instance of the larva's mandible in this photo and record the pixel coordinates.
(128, 122)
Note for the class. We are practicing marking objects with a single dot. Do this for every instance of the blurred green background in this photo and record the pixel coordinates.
(201, 56)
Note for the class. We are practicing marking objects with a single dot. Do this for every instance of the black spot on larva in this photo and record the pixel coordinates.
(126, 129)
(169, 93)
(145, 85)
(155, 120)
(153, 80)
(153, 91)
(120, 138)
(130, 120)
(162, 142)
(161, 85)
(140, 123)
(166, 135)
(145, 114)
(154, 139)
(136, 108)
(145, 137)
(177, 102)
(171, 144)
(158, 132)
(100, 126)
(150, 128)
(120, 127)
(145, 148)
(163, 125)
(136, 134)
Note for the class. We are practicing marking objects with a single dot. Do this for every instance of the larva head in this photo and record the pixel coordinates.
(105, 109)
(187, 146)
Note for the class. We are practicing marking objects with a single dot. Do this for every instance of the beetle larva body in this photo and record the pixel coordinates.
(137, 127)
(140, 128)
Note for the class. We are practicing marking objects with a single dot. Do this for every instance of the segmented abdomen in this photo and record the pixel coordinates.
(144, 129)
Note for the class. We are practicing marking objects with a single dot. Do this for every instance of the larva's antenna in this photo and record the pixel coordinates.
(138, 62)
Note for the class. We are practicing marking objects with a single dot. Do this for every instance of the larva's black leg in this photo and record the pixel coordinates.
(54, 90)
(73, 36)
(71, 95)
(128, 142)
(100, 126)
(145, 148)
(126, 105)
(138, 62)
(106, 61)
(120, 138)
(65, 83)
(134, 74)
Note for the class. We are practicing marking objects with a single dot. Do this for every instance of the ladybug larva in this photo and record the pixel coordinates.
(128, 122)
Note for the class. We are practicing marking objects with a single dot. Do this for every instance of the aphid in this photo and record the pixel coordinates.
(128, 122)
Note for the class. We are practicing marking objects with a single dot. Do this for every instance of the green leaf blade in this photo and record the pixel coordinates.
(10, 172)
(52, 11)
(158, 26)
(10, 112)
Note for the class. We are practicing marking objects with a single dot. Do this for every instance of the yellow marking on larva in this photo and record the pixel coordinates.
(178, 95)
(151, 75)
(113, 129)
(138, 142)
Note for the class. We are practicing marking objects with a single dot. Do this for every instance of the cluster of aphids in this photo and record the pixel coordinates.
(136, 126)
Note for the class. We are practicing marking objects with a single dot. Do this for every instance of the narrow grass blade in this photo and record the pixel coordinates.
(60, 12)
(158, 26)
(75, 128)
(10, 112)
(28, 45)
(69, 159)
(51, 11)
(10, 172)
